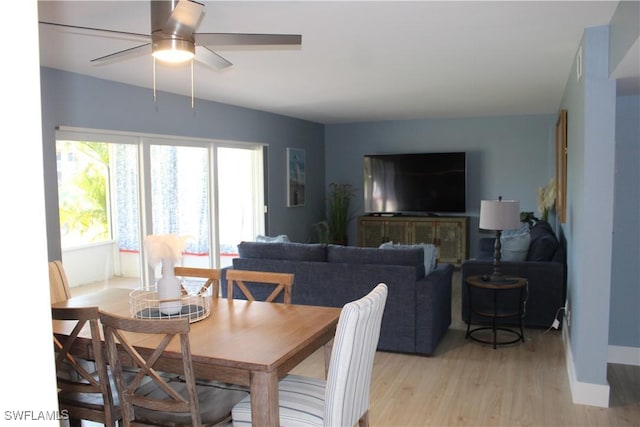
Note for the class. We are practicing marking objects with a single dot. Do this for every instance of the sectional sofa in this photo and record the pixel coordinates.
(418, 308)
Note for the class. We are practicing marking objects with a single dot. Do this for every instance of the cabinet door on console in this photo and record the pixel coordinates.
(375, 231)
(451, 241)
(424, 232)
(396, 232)
(370, 232)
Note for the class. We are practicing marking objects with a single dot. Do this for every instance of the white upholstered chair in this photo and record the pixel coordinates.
(343, 399)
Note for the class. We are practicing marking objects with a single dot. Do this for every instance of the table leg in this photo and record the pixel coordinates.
(469, 310)
(265, 401)
(520, 316)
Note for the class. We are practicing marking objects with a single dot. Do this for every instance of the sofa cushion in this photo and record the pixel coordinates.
(413, 257)
(543, 243)
(430, 253)
(283, 250)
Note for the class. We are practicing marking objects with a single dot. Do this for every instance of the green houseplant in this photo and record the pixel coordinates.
(334, 228)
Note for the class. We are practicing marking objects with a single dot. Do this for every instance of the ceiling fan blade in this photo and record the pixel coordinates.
(184, 19)
(144, 49)
(239, 39)
(211, 59)
(100, 32)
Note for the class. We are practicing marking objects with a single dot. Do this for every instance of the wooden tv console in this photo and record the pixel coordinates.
(450, 234)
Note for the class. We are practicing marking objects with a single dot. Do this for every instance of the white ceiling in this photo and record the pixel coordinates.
(359, 61)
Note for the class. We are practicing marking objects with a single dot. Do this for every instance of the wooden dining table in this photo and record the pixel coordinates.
(246, 343)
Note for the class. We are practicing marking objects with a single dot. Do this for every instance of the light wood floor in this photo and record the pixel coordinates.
(469, 384)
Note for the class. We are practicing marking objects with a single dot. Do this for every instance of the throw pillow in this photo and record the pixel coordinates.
(281, 238)
(515, 243)
(430, 253)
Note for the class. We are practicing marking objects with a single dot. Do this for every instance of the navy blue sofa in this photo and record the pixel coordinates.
(418, 309)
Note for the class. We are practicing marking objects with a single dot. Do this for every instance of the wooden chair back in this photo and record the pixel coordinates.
(151, 396)
(58, 283)
(212, 276)
(283, 283)
(83, 387)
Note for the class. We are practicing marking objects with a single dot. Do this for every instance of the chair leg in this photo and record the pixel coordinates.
(364, 420)
(328, 348)
(75, 422)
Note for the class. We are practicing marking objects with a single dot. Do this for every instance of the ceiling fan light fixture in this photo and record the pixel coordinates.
(173, 50)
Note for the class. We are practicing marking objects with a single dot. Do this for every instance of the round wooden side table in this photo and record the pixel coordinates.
(497, 309)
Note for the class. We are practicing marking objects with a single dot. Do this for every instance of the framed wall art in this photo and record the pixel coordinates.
(561, 166)
(296, 174)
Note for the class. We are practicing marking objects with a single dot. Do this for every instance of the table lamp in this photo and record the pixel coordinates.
(499, 215)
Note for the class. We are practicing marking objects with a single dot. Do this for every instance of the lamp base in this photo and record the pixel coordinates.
(497, 275)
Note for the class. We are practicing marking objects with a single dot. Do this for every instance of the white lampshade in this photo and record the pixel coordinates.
(499, 214)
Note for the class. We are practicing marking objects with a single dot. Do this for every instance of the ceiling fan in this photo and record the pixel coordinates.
(173, 37)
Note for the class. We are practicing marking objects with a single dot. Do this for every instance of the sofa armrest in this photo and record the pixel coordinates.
(433, 308)
(546, 291)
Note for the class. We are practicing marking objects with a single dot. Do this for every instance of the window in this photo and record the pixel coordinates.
(83, 184)
(211, 192)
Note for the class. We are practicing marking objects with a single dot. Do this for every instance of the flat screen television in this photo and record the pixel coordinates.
(419, 183)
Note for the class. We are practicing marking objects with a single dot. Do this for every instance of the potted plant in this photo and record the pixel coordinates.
(334, 228)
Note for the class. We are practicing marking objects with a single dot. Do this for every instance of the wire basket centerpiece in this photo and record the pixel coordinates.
(194, 303)
(169, 297)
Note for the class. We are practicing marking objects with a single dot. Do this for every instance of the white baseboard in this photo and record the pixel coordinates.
(583, 393)
(624, 355)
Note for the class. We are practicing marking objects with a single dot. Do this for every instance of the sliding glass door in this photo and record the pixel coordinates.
(240, 198)
(115, 189)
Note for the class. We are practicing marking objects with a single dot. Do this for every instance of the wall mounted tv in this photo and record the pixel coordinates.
(419, 183)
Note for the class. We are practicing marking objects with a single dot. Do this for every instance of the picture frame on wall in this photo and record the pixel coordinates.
(561, 166)
(296, 177)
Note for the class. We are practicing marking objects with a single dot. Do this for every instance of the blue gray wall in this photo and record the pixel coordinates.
(590, 102)
(506, 156)
(75, 100)
(624, 324)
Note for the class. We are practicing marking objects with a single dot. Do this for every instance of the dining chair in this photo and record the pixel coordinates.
(163, 400)
(212, 276)
(58, 283)
(247, 280)
(84, 389)
(343, 398)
